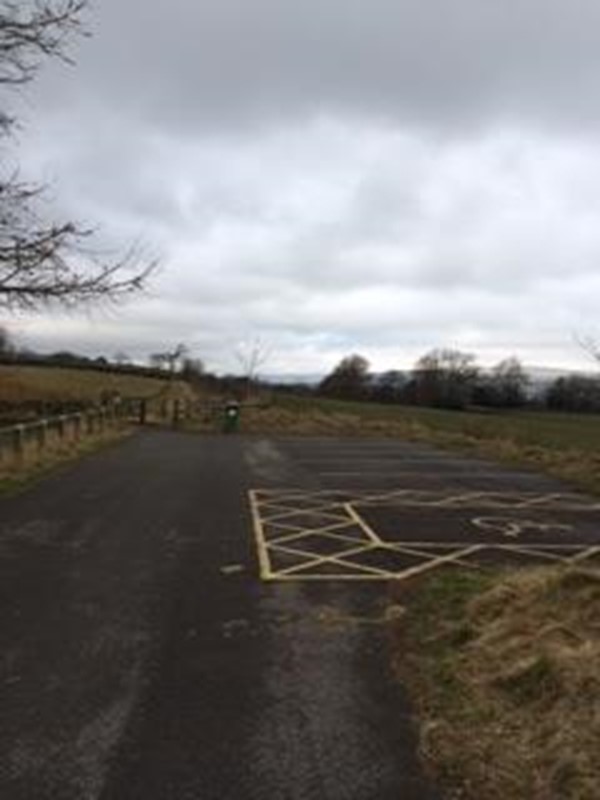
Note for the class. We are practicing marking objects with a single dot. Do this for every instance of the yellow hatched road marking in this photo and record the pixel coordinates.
(312, 531)
(369, 532)
(276, 526)
(338, 559)
(306, 512)
(261, 544)
(589, 553)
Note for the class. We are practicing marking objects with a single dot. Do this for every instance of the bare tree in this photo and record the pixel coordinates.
(155, 360)
(252, 355)
(508, 383)
(349, 380)
(32, 30)
(445, 377)
(45, 262)
(574, 393)
(121, 358)
(389, 386)
(170, 359)
(590, 345)
(192, 369)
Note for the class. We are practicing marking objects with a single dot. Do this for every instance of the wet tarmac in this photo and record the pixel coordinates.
(144, 658)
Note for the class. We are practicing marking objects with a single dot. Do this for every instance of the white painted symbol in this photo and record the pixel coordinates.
(513, 528)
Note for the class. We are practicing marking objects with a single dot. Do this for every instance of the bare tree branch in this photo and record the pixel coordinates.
(590, 345)
(43, 262)
(41, 265)
(252, 356)
(29, 32)
(170, 359)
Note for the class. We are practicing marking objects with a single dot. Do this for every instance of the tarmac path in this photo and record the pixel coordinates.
(143, 658)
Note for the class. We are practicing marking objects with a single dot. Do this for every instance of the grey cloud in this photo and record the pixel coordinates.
(335, 175)
(375, 239)
(201, 66)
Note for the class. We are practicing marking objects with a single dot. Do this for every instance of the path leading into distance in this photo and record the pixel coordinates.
(198, 618)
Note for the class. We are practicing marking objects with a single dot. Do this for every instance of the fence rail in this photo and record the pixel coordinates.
(27, 441)
(22, 443)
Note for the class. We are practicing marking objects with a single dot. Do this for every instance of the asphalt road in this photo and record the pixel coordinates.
(144, 659)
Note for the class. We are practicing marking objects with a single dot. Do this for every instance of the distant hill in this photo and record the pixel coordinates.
(306, 379)
(552, 373)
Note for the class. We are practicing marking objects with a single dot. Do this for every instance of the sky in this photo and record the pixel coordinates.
(331, 176)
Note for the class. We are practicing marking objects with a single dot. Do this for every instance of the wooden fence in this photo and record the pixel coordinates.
(30, 441)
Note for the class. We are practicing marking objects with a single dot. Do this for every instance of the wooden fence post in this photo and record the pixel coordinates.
(19, 443)
(60, 429)
(42, 435)
(78, 420)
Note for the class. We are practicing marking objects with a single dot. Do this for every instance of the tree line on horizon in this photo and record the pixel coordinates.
(451, 379)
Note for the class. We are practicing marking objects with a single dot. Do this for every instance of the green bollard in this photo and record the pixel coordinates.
(231, 420)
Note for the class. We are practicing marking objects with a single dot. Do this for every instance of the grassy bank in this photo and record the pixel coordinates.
(44, 463)
(23, 384)
(505, 674)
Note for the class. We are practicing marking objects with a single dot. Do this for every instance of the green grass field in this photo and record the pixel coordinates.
(529, 428)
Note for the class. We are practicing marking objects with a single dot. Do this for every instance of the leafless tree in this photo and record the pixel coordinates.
(192, 369)
(445, 377)
(508, 383)
(121, 358)
(45, 262)
(590, 345)
(170, 359)
(349, 380)
(31, 30)
(252, 355)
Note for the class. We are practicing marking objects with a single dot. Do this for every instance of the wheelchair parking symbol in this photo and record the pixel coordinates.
(512, 528)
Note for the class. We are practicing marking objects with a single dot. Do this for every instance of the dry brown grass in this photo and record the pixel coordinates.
(36, 462)
(317, 422)
(578, 466)
(506, 675)
(22, 384)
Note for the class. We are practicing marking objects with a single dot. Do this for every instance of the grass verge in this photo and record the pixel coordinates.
(13, 480)
(504, 670)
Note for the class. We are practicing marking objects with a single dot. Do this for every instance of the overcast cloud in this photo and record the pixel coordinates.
(333, 176)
